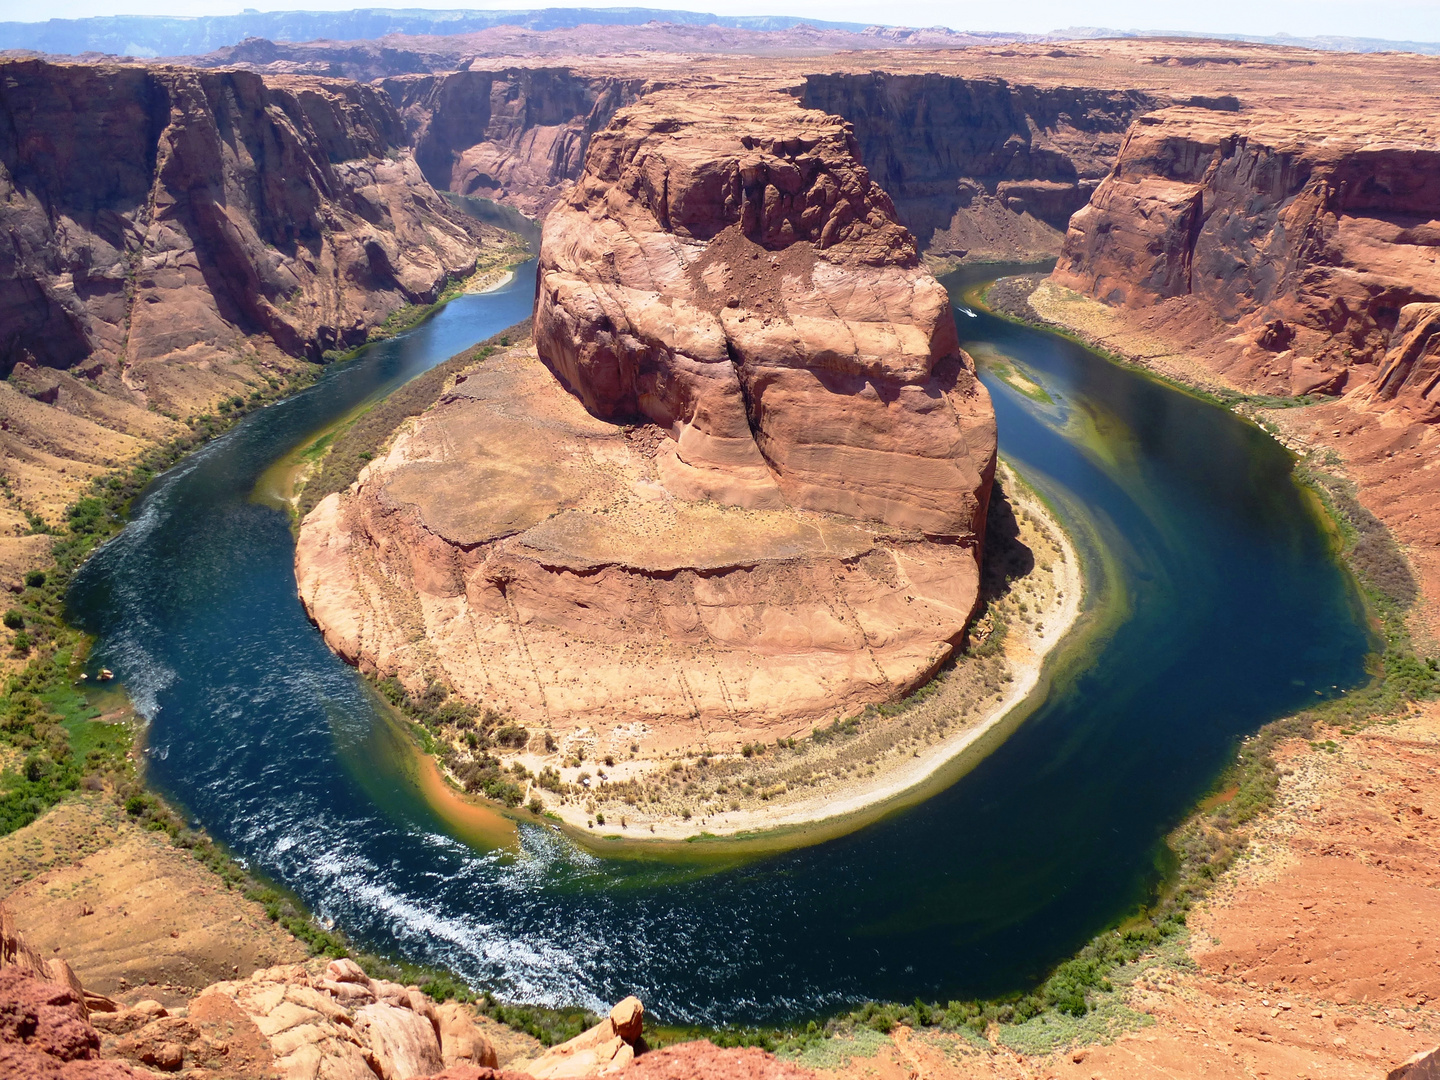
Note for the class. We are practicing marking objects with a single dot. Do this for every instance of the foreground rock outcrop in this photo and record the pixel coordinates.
(312, 1021)
(761, 502)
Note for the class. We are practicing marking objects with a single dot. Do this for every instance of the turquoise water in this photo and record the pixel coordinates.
(1234, 612)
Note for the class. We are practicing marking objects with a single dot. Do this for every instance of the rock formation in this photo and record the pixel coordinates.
(172, 237)
(303, 1021)
(312, 1021)
(606, 1048)
(1304, 235)
(793, 528)
(730, 272)
(981, 167)
(517, 135)
(157, 218)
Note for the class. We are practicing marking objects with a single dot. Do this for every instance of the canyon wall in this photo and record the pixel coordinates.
(173, 237)
(760, 503)
(981, 167)
(1286, 254)
(516, 135)
(1304, 238)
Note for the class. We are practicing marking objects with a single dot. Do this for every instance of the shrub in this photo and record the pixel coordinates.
(15, 620)
(22, 643)
(512, 735)
(37, 767)
(35, 579)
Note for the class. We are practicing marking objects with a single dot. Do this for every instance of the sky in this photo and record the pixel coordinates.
(1415, 20)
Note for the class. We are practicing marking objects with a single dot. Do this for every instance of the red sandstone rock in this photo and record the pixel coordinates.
(518, 135)
(726, 269)
(44, 1034)
(161, 221)
(797, 532)
(703, 1060)
(1308, 233)
(1423, 1066)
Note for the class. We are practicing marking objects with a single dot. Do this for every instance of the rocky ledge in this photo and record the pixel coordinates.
(312, 1021)
(759, 504)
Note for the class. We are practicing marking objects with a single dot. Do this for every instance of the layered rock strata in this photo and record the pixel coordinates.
(516, 135)
(759, 505)
(1286, 254)
(1303, 237)
(729, 272)
(981, 168)
(171, 237)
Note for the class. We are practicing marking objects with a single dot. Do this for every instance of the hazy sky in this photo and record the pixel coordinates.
(1417, 20)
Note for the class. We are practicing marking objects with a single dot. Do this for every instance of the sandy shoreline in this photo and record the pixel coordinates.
(485, 285)
(1026, 651)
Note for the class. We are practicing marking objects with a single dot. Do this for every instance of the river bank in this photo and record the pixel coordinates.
(1282, 968)
(847, 773)
(1390, 460)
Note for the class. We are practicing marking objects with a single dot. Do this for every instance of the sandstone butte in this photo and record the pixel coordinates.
(745, 491)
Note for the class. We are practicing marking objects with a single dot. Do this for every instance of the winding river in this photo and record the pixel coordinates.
(1225, 608)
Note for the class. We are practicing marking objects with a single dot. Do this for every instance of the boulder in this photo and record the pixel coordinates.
(1423, 1066)
(606, 1048)
(461, 1042)
(628, 1019)
(44, 1034)
(403, 1042)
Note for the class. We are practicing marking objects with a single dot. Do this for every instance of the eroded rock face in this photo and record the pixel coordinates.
(163, 224)
(727, 270)
(1308, 234)
(793, 530)
(517, 135)
(981, 167)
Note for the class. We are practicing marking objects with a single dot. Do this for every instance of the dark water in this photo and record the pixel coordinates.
(1236, 613)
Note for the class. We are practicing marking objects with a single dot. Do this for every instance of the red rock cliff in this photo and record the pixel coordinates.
(517, 135)
(156, 219)
(981, 167)
(1307, 234)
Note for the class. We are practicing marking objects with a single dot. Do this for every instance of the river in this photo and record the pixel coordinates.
(1227, 609)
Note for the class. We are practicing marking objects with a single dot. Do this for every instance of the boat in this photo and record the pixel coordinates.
(105, 675)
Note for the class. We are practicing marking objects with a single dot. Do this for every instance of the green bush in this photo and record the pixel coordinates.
(22, 643)
(35, 579)
(512, 736)
(15, 620)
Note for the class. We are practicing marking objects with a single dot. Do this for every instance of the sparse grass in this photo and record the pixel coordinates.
(1021, 382)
